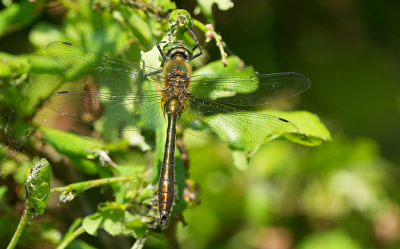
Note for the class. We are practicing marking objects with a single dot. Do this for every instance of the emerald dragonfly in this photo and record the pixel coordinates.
(135, 97)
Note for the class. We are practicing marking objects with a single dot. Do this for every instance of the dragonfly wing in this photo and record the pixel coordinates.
(217, 122)
(109, 110)
(102, 70)
(249, 90)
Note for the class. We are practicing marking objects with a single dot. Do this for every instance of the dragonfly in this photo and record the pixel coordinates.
(133, 96)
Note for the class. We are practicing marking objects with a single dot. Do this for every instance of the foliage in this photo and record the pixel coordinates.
(302, 196)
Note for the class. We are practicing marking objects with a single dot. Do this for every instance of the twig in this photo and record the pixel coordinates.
(67, 240)
(20, 228)
(211, 34)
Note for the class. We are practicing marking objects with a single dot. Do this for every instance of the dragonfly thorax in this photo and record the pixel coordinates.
(176, 86)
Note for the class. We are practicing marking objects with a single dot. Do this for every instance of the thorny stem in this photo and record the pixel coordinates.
(20, 228)
(71, 237)
(213, 34)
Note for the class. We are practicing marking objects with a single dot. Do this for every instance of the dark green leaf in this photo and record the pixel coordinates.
(70, 143)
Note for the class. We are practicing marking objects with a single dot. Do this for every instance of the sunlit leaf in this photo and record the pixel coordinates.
(43, 33)
(236, 67)
(312, 131)
(330, 240)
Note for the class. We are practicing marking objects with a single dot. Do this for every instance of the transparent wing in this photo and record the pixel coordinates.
(116, 74)
(248, 90)
(109, 110)
(217, 122)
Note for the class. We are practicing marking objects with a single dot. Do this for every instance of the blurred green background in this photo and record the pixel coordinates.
(342, 194)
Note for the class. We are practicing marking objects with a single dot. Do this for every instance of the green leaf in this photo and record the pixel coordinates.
(138, 24)
(159, 157)
(5, 70)
(92, 222)
(37, 185)
(152, 58)
(330, 240)
(147, 193)
(140, 231)
(71, 144)
(179, 206)
(167, 4)
(44, 33)
(30, 95)
(113, 220)
(235, 68)
(85, 165)
(180, 175)
(206, 7)
(79, 149)
(3, 191)
(312, 131)
(19, 15)
(130, 169)
(240, 161)
(178, 23)
(135, 223)
(23, 64)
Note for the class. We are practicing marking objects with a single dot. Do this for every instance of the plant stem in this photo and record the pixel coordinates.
(70, 238)
(20, 228)
(99, 182)
(217, 38)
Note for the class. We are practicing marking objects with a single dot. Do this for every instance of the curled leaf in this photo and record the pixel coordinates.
(37, 185)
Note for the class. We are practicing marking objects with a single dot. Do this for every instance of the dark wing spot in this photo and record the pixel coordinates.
(284, 120)
(63, 92)
(67, 43)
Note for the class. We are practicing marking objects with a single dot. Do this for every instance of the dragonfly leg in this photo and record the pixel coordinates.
(197, 43)
(151, 73)
(161, 51)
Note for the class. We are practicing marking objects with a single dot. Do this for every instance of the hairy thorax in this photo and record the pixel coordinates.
(176, 86)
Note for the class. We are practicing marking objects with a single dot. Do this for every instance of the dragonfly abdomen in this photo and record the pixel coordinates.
(166, 187)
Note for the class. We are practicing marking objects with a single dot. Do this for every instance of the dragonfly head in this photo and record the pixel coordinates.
(178, 49)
